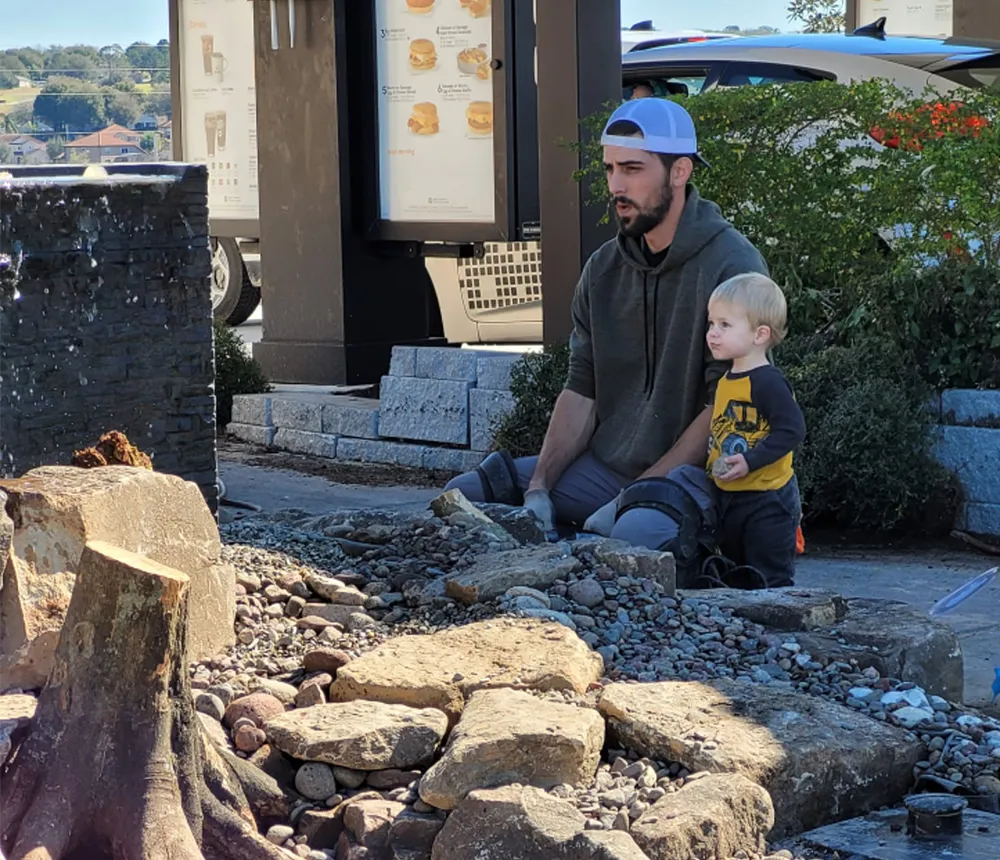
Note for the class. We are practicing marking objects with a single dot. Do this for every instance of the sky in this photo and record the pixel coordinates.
(106, 22)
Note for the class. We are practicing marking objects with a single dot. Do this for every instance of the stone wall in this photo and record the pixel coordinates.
(106, 318)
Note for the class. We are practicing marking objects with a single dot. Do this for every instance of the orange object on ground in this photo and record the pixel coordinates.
(800, 541)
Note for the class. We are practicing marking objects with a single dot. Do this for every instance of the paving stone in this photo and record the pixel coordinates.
(485, 408)
(819, 760)
(351, 416)
(380, 451)
(426, 410)
(898, 641)
(256, 434)
(972, 453)
(293, 413)
(303, 442)
(493, 371)
(970, 407)
(252, 409)
(451, 459)
(403, 361)
(441, 362)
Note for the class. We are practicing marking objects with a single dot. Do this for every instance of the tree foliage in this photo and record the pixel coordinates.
(818, 16)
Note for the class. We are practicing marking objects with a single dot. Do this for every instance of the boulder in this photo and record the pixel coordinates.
(56, 510)
(496, 572)
(359, 735)
(819, 760)
(897, 640)
(778, 608)
(718, 815)
(440, 670)
(505, 737)
(526, 823)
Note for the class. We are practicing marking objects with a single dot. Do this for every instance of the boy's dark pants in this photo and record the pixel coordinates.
(757, 528)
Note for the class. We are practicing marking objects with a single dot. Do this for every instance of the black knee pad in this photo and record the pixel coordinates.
(498, 475)
(694, 538)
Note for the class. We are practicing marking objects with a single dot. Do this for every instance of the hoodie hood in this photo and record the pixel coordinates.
(701, 221)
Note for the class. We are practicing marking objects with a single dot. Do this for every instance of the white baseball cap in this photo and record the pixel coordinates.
(665, 126)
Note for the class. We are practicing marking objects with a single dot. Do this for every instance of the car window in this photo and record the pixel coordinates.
(764, 74)
(683, 81)
(983, 73)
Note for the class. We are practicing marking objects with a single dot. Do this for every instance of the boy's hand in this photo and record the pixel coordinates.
(737, 468)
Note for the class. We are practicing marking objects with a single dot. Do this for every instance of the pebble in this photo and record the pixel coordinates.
(315, 780)
(210, 704)
(278, 833)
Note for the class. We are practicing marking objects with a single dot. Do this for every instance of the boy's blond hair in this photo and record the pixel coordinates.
(760, 297)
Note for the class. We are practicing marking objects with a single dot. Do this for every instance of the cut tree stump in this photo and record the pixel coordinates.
(116, 765)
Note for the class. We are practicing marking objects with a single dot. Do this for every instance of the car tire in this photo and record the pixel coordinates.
(234, 297)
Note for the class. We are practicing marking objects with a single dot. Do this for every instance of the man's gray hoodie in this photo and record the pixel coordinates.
(638, 344)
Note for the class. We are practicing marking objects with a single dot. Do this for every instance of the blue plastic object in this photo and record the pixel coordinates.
(960, 595)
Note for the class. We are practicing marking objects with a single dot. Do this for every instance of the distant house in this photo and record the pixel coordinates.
(23, 82)
(147, 122)
(112, 144)
(25, 149)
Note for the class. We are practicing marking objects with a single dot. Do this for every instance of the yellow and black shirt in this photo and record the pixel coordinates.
(755, 414)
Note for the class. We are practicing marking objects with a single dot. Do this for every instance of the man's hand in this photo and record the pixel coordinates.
(540, 504)
(738, 468)
(602, 521)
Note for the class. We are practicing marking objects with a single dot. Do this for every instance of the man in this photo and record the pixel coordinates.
(637, 402)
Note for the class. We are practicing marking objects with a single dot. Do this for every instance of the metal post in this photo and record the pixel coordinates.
(579, 73)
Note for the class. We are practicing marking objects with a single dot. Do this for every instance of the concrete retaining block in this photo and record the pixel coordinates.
(252, 409)
(971, 408)
(403, 361)
(352, 416)
(452, 459)
(253, 433)
(425, 410)
(441, 362)
(972, 453)
(493, 371)
(381, 451)
(485, 407)
(303, 442)
(982, 518)
(289, 413)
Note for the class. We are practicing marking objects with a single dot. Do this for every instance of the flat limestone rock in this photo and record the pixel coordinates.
(441, 670)
(778, 608)
(819, 760)
(494, 573)
(16, 711)
(638, 562)
(528, 824)
(58, 509)
(359, 735)
(718, 815)
(505, 737)
(911, 645)
(454, 502)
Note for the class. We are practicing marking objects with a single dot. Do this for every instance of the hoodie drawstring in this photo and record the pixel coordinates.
(649, 353)
(645, 332)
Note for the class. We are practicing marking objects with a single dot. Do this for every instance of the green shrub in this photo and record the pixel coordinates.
(235, 372)
(535, 382)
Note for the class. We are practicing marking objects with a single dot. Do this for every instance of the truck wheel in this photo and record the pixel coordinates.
(234, 297)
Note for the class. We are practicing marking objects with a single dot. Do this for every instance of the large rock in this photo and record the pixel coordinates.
(716, 816)
(58, 509)
(506, 736)
(360, 735)
(779, 608)
(627, 560)
(899, 641)
(495, 573)
(819, 760)
(440, 670)
(528, 824)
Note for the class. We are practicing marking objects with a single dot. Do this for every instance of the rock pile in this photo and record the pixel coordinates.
(444, 686)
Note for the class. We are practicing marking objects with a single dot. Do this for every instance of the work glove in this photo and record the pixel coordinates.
(540, 504)
(602, 521)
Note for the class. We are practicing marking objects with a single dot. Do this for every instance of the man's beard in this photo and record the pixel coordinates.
(635, 226)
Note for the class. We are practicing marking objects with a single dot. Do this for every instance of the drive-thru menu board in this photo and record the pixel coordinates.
(910, 17)
(219, 101)
(435, 110)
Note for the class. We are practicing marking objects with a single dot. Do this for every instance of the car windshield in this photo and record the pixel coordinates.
(984, 73)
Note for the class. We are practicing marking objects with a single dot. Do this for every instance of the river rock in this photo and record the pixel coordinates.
(440, 670)
(526, 823)
(506, 736)
(495, 573)
(719, 815)
(819, 760)
(360, 735)
(258, 707)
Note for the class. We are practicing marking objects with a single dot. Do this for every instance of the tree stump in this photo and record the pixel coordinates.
(116, 764)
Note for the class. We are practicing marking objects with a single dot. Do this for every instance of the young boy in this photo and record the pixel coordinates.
(756, 424)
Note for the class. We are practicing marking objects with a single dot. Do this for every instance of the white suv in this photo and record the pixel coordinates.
(498, 298)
